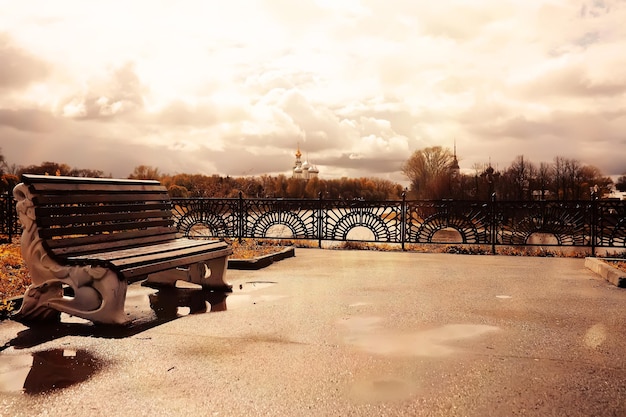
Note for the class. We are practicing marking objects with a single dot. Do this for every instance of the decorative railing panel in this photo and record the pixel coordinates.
(361, 220)
(279, 218)
(207, 217)
(448, 221)
(562, 223)
(610, 224)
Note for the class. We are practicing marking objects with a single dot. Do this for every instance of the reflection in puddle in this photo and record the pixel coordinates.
(169, 303)
(368, 334)
(173, 302)
(45, 371)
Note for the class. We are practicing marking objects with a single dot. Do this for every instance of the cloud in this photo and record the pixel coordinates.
(120, 93)
(30, 120)
(571, 78)
(183, 114)
(19, 69)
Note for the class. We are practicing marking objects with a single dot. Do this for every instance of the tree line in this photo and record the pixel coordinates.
(198, 185)
(433, 174)
(267, 186)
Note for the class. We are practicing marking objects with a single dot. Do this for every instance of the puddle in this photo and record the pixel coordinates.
(595, 336)
(243, 294)
(46, 371)
(170, 303)
(358, 304)
(368, 334)
(381, 390)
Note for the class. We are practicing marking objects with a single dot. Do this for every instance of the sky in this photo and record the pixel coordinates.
(235, 87)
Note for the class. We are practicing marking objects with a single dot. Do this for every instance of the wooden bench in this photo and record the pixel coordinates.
(85, 239)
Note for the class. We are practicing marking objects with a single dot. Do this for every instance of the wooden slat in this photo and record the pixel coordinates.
(61, 232)
(104, 218)
(146, 250)
(45, 211)
(49, 179)
(85, 251)
(96, 243)
(97, 198)
(58, 188)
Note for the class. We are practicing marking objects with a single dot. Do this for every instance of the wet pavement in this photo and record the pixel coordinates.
(334, 333)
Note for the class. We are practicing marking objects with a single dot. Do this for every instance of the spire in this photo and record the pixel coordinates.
(454, 166)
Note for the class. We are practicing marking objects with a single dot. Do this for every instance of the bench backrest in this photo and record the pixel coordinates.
(77, 215)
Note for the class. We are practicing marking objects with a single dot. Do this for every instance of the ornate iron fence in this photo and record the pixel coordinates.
(591, 224)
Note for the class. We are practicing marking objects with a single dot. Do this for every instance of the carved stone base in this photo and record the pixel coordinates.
(100, 302)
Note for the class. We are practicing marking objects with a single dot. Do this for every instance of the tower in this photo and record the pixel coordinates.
(297, 168)
(454, 166)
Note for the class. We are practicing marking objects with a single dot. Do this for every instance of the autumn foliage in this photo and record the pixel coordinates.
(14, 276)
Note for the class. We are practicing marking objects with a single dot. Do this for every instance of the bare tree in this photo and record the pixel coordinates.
(428, 170)
(145, 172)
(3, 163)
(518, 178)
(621, 183)
(543, 180)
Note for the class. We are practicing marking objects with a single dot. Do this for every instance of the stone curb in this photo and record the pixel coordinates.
(261, 261)
(613, 275)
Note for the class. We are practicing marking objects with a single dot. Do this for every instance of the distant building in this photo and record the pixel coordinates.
(455, 169)
(616, 195)
(303, 170)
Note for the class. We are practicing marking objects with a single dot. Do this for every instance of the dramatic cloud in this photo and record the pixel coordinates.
(116, 95)
(19, 69)
(234, 88)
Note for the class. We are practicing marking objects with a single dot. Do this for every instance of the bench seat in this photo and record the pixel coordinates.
(135, 264)
(95, 236)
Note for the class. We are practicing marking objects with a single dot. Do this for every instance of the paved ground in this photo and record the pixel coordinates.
(340, 333)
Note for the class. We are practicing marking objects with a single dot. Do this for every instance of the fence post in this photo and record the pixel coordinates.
(319, 220)
(241, 217)
(403, 220)
(594, 223)
(492, 232)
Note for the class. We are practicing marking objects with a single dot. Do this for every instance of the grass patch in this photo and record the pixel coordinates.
(14, 276)
(253, 248)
